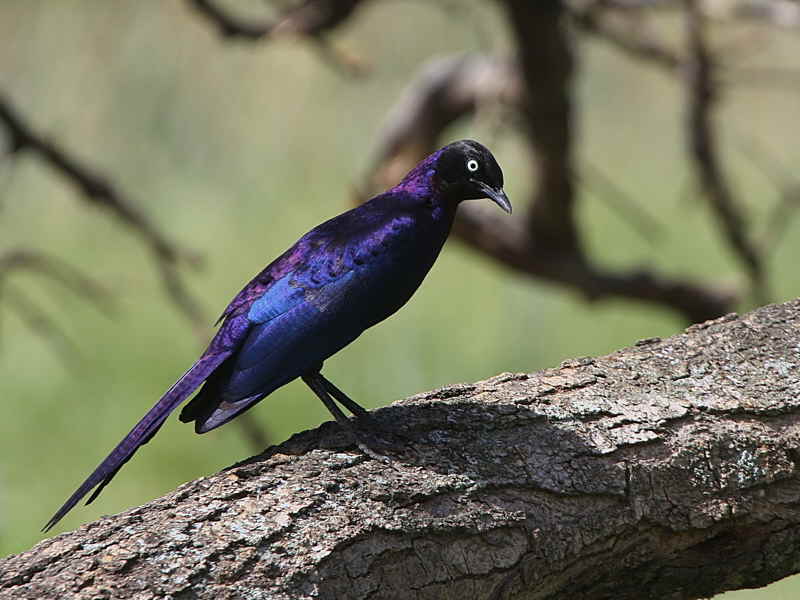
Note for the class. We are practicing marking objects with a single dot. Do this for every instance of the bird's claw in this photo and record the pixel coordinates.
(379, 445)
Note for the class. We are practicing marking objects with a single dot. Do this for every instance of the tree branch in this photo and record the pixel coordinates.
(546, 63)
(28, 309)
(21, 259)
(311, 19)
(701, 88)
(669, 466)
(628, 39)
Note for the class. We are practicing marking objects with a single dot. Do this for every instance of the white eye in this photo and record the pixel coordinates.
(472, 165)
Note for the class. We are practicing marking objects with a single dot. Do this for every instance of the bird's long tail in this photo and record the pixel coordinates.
(142, 432)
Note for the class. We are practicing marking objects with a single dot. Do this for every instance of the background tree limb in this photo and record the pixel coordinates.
(98, 190)
(538, 86)
(665, 470)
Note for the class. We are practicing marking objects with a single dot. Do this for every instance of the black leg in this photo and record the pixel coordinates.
(317, 383)
(350, 404)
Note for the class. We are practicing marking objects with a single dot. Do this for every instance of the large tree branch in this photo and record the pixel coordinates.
(665, 470)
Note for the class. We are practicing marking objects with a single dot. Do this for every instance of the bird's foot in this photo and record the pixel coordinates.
(373, 454)
(372, 425)
(379, 442)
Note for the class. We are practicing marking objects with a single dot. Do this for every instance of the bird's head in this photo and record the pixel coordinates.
(466, 170)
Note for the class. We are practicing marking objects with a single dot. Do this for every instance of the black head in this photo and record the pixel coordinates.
(468, 171)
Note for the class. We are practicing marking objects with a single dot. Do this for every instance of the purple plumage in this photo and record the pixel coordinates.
(339, 279)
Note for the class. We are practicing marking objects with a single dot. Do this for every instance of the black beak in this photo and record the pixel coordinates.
(498, 196)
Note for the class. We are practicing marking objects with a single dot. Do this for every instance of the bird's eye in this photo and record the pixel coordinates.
(472, 165)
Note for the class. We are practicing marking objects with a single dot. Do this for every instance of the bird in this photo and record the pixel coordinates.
(342, 277)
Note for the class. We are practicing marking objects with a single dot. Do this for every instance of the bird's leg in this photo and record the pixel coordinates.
(363, 415)
(350, 404)
(317, 383)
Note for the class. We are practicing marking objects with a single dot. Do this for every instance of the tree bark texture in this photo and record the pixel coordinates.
(665, 470)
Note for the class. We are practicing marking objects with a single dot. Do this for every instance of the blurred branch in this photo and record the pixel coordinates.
(701, 89)
(307, 18)
(98, 190)
(229, 26)
(546, 63)
(787, 185)
(37, 320)
(445, 90)
(513, 247)
(452, 88)
(55, 269)
(778, 13)
(622, 203)
(551, 246)
(29, 311)
(631, 39)
(310, 19)
(627, 31)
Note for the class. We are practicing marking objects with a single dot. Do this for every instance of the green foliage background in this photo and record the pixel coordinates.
(237, 149)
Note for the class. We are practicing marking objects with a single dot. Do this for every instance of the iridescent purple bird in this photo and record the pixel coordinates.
(339, 279)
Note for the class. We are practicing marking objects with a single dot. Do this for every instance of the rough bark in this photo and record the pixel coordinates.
(665, 470)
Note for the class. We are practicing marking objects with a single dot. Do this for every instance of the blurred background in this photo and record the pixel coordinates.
(221, 150)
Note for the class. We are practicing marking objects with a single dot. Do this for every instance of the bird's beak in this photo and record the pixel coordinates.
(498, 196)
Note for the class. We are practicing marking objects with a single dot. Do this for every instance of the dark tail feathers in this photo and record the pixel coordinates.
(141, 433)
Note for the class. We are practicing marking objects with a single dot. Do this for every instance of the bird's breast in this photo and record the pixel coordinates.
(359, 280)
(389, 266)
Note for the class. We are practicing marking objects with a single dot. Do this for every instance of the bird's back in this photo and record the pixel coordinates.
(339, 279)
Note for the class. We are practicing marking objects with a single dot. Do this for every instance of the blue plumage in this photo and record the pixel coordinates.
(339, 279)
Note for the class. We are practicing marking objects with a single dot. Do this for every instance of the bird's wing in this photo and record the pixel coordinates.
(230, 336)
(142, 432)
(355, 234)
(284, 321)
(290, 329)
(275, 352)
(294, 259)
